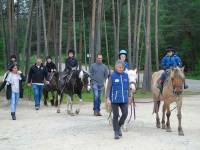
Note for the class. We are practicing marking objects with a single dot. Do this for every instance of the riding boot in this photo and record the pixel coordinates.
(160, 85)
(120, 132)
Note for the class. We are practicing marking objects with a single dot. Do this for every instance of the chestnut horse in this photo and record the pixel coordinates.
(172, 92)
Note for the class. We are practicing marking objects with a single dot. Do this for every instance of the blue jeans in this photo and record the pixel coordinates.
(97, 91)
(37, 91)
(13, 101)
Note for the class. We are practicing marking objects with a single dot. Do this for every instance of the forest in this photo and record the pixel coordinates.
(38, 28)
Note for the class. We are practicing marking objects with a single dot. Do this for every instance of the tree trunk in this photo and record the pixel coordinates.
(114, 29)
(55, 35)
(138, 34)
(28, 51)
(69, 27)
(60, 37)
(98, 27)
(118, 26)
(27, 32)
(135, 35)
(129, 33)
(38, 22)
(91, 48)
(17, 33)
(45, 30)
(80, 50)
(156, 34)
(49, 30)
(74, 25)
(6, 57)
(146, 86)
(11, 27)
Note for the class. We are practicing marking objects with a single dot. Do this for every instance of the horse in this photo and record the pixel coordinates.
(74, 85)
(132, 75)
(52, 87)
(172, 92)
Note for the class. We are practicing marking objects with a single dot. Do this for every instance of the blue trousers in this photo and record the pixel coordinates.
(97, 91)
(13, 101)
(37, 91)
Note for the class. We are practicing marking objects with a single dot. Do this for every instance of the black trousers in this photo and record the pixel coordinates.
(117, 123)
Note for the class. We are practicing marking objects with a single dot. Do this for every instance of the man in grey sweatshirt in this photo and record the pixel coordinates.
(99, 73)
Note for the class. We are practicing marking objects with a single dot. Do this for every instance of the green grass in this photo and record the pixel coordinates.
(193, 75)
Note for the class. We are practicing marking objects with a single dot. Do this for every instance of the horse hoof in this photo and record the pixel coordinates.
(169, 130)
(158, 125)
(180, 133)
(45, 104)
(163, 126)
(77, 111)
(52, 103)
(58, 111)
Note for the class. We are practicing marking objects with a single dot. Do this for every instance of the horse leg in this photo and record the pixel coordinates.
(53, 97)
(79, 105)
(60, 96)
(56, 102)
(163, 115)
(179, 115)
(45, 93)
(168, 121)
(156, 110)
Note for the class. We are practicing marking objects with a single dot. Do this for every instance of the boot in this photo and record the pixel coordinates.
(13, 115)
(160, 85)
(116, 136)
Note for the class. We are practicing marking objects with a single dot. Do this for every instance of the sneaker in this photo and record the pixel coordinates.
(37, 108)
(116, 136)
(99, 114)
(120, 132)
(13, 115)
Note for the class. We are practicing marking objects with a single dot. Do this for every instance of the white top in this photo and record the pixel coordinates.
(14, 79)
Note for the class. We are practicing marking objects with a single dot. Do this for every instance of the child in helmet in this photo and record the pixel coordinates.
(122, 57)
(170, 60)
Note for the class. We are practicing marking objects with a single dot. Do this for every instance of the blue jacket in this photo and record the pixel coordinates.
(168, 62)
(126, 65)
(119, 87)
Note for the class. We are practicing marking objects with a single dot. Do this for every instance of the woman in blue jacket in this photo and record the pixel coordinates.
(117, 95)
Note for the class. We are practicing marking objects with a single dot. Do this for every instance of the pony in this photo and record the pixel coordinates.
(74, 85)
(172, 92)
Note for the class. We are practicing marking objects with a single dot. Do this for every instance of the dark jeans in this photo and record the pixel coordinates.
(117, 123)
(97, 91)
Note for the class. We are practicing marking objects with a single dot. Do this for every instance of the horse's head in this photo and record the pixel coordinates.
(53, 77)
(132, 75)
(177, 78)
(85, 79)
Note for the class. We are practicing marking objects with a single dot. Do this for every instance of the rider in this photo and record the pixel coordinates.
(71, 63)
(170, 60)
(122, 57)
(50, 65)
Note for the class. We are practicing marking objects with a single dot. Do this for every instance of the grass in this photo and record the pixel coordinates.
(193, 75)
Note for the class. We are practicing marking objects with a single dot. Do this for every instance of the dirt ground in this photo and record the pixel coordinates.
(47, 130)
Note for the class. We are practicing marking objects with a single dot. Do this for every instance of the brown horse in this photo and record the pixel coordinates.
(172, 92)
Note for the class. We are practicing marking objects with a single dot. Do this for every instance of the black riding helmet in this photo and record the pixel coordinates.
(168, 49)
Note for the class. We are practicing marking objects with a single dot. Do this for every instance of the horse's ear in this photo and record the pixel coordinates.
(135, 70)
(182, 69)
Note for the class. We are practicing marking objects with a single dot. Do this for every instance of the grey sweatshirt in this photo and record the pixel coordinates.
(99, 73)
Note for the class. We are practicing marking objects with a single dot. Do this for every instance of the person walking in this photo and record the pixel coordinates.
(118, 96)
(14, 84)
(36, 78)
(99, 73)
